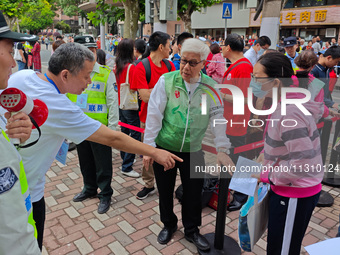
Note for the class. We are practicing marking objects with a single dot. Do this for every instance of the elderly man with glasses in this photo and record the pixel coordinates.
(177, 121)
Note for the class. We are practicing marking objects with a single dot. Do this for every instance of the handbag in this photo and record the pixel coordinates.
(253, 219)
(128, 99)
(213, 202)
(17, 55)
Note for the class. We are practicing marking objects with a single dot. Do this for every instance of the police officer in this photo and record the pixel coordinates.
(17, 227)
(100, 103)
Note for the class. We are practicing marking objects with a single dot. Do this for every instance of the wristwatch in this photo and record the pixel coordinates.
(226, 151)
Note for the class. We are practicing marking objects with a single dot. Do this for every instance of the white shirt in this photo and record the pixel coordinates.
(111, 98)
(251, 55)
(65, 120)
(157, 103)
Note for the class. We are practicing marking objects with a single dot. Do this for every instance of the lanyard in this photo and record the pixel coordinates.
(52, 82)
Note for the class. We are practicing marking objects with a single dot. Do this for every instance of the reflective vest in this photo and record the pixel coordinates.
(96, 106)
(183, 124)
(28, 46)
(25, 192)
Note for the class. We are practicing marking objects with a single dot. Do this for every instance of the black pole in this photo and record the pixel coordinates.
(220, 243)
(221, 210)
(325, 199)
(330, 178)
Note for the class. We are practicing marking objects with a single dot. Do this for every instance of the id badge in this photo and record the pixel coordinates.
(82, 101)
(62, 153)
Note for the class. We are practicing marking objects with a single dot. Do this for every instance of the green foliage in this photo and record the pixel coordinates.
(61, 25)
(70, 7)
(38, 16)
(105, 13)
(111, 14)
(14, 8)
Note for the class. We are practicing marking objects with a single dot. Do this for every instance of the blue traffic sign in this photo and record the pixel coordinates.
(227, 11)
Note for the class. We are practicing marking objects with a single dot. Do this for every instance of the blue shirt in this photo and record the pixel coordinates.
(322, 73)
(176, 59)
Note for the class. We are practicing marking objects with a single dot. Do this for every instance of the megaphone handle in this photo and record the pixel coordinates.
(15, 141)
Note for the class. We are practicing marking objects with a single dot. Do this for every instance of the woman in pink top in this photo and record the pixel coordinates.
(292, 158)
(217, 66)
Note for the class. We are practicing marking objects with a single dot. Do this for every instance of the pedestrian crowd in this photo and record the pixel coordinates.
(157, 86)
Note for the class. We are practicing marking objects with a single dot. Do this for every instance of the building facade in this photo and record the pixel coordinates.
(306, 19)
(209, 21)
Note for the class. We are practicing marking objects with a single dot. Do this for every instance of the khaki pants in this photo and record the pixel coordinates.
(147, 176)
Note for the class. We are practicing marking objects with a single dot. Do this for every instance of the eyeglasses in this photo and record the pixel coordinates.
(191, 62)
(258, 79)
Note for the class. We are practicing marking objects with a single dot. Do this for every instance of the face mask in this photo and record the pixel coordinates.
(257, 91)
(260, 52)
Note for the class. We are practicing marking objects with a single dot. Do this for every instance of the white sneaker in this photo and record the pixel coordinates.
(132, 173)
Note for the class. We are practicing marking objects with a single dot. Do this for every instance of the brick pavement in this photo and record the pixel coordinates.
(131, 226)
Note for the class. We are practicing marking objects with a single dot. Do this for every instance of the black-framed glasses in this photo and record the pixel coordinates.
(192, 63)
(258, 79)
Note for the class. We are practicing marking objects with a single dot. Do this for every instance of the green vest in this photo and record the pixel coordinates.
(183, 125)
(25, 192)
(96, 106)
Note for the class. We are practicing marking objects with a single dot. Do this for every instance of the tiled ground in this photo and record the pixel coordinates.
(131, 226)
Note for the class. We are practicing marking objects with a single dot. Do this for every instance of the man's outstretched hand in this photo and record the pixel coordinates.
(163, 158)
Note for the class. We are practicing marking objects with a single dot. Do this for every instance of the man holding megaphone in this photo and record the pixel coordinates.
(68, 72)
(17, 227)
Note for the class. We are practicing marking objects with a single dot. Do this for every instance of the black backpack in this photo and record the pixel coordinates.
(147, 67)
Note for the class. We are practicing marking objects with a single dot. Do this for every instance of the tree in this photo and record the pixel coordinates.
(61, 25)
(186, 7)
(109, 13)
(13, 10)
(70, 7)
(38, 16)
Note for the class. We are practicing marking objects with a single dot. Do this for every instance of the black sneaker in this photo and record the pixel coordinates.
(145, 192)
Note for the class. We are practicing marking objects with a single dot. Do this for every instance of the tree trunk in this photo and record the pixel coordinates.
(10, 21)
(186, 18)
(270, 25)
(131, 18)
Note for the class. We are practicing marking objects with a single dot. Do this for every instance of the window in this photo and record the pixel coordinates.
(242, 4)
(309, 3)
(177, 28)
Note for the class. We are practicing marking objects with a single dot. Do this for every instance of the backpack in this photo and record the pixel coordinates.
(147, 67)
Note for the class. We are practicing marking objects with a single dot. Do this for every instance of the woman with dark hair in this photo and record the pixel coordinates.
(216, 68)
(139, 49)
(124, 66)
(101, 57)
(291, 156)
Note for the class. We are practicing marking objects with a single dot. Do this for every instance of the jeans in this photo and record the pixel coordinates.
(129, 117)
(21, 65)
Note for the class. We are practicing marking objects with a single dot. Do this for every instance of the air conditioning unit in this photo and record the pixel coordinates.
(330, 32)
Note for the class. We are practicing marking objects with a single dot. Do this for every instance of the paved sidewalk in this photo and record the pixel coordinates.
(131, 226)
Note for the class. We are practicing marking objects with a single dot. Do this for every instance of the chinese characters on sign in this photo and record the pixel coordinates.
(319, 16)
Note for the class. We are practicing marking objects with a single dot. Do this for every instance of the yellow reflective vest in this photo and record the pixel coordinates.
(96, 106)
(17, 228)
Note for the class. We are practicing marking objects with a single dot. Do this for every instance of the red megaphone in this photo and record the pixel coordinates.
(14, 100)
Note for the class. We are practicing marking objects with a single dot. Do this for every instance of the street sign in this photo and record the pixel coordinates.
(227, 11)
